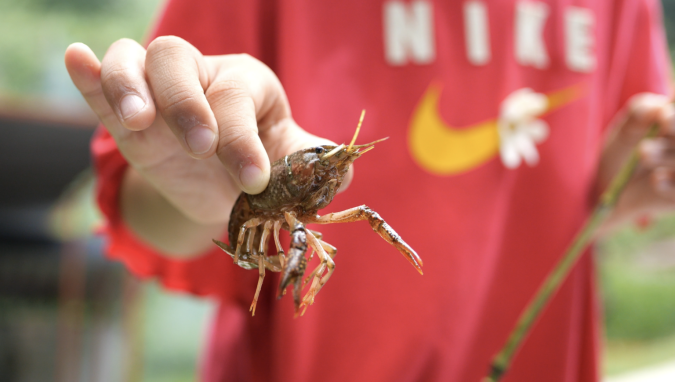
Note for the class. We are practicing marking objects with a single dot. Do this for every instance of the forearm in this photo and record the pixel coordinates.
(158, 223)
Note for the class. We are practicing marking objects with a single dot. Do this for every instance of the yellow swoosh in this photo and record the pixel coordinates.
(445, 150)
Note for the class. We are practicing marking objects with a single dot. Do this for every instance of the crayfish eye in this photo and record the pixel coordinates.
(319, 150)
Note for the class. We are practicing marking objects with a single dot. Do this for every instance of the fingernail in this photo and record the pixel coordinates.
(131, 105)
(251, 178)
(200, 139)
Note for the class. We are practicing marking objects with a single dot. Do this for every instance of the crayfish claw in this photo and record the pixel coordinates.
(296, 263)
(410, 255)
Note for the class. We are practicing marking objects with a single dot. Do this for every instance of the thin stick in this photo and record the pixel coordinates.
(502, 361)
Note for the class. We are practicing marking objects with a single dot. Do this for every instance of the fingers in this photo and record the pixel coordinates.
(246, 98)
(663, 182)
(230, 105)
(652, 189)
(657, 152)
(642, 111)
(177, 76)
(263, 129)
(650, 193)
(658, 157)
(124, 86)
(85, 71)
(105, 86)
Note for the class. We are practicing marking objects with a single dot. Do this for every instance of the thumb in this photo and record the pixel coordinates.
(286, 137)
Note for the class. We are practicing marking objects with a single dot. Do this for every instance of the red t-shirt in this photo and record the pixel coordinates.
(432, 76)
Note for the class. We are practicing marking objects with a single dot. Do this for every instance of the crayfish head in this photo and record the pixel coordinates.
(341, 157)
(317, 172)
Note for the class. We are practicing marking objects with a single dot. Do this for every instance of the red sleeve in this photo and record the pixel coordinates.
(205, 25)
(211, 274)
(639, 54)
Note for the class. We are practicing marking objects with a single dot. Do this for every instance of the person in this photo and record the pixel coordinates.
(505, 120)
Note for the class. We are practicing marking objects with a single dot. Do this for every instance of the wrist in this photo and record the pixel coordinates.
(160, 224)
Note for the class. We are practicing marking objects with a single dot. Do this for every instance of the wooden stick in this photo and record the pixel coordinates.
(502, 361)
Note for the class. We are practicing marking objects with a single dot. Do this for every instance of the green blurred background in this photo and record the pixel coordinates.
(135, 330)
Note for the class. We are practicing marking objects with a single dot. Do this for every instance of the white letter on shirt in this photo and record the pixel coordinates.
(408, 32)
(530, 19)
(476, 32)
(580, 40)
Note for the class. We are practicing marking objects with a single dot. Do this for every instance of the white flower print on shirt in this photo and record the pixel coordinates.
(519, 129)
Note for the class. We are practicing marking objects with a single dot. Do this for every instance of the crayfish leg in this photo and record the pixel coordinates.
(242, 233)
(326, 263)
(379, 225)
(226, 248)
(316, 234)
(261, 277)
(331, 250)
(280, 250)
(262, 263)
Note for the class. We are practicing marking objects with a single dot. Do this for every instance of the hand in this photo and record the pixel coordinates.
(199, 129)
(651, 191)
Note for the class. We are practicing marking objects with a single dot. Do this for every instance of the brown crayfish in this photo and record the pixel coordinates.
(301, 184)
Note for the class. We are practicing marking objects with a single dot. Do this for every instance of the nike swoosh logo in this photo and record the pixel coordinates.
(442, 149)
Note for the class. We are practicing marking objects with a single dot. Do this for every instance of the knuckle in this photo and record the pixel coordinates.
(227, 91)
(93, 93)
(116, 81)
(227, 142)
(254, 63)
(123, 43)
(114, 74)
(172, 99)
(235, 142)
(165, 48)
(250, 63)
(163, 43)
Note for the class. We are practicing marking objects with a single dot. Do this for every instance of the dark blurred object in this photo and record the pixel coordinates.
(74, 6)
(669, 21)
(61, 314)
(44, 147)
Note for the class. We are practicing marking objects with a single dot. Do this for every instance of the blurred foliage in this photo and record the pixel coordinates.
(669, 21)
(622, 356)
(83, 7)
(637, 278)
(174, 334)
(35, 33)
(639, 303)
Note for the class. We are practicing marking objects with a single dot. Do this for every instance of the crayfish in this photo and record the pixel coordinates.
(301, 184)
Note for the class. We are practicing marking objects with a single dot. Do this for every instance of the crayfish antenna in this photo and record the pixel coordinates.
(356, 133)
(332, 152)
(365, 151)
(371, 143)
